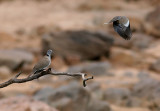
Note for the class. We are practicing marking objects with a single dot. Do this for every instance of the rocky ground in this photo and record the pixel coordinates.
(126, 73)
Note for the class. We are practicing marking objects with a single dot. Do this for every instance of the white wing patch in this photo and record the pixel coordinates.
(127, 24)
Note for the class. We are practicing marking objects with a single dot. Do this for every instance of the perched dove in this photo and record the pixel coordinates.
(43, 63)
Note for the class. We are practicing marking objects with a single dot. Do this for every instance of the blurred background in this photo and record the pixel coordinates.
(126, 73)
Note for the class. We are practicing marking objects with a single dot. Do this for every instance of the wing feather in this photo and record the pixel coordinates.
(123, 31)
(43, 63)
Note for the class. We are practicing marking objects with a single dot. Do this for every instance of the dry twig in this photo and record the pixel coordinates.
(40, 74)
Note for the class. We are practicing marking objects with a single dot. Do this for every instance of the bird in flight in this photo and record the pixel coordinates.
(121, 25)
(43, 63)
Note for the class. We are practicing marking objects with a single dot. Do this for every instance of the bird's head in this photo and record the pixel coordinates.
(116, 18)
(49, 52)
(120, 20)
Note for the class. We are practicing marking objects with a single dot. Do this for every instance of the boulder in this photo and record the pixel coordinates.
(71, 97)
(153, 51)
(23, 103)
(143, 75)
(155, 66)
(96, 105)
(139, 41)
(94, 68)
(14, 59)
(126, 57)
(148, 90)
(95, 88)
(134, 102)
(44, 93)
(75, 46)
(118, 96)
(152, 24)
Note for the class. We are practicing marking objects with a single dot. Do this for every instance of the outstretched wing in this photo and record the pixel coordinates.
(124, 32)
(114, 19)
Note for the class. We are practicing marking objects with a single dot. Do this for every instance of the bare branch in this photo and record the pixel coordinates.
(86, 79)
(40, 74)
(17, 75)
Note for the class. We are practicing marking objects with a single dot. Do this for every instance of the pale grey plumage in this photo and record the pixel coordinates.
(43, 63)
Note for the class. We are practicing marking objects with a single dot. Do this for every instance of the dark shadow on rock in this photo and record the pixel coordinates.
(78, 45)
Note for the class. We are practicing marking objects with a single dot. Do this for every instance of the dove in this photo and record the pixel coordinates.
(43, 63)
(121, 25)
